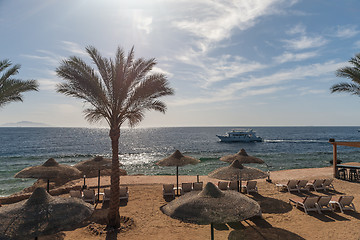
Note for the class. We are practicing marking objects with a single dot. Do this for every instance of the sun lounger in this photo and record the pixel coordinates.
(327, 184)
(76, 194)
(250, 187)
(185, 188)
(106, 196)
(324, 203)
(197, 186)
(302, 185)
(233, 185)
(89, 196)
(307, 203)
(168, 190)
(223, 185)
(124, 193)
(317, 184)
(343, 202)
(292, 185)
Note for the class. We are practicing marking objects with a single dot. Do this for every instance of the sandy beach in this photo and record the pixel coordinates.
(280, 219)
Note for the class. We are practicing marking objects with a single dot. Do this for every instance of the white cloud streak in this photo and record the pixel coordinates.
(294, 57)
(265, 84)
(215, 20)
(346, 31)
(74, 48)
(142, 22)
(305, 42)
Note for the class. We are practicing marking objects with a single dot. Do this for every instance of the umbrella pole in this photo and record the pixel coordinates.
(177, 180)
(98, 196)
(212, 231)
(240, 183)
(48, 186)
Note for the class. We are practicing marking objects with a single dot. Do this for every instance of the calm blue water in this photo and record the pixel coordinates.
(283, 148)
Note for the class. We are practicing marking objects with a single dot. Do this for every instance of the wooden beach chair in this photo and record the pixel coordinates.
(168, 190)
(324, 203)
(233, 185)
(327, 184)
(317, 184)
(292, 185)
(124, 193)
(307, 203)
(302, 185)
(89, 195)
(343, 202)
(250, 187)
(197, 186)
(185, 188)
(76, 194)
(223, 185)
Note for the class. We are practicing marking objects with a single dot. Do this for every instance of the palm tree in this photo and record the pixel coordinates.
(122, 90)
(352, 73)
(11, 89)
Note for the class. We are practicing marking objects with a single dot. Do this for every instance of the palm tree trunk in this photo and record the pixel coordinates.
(113, 215)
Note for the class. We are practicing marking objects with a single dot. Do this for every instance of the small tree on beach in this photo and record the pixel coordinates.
(122, 90)
(11, 89)
(352, 73)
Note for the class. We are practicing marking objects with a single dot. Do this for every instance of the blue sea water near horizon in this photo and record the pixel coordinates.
(282, 148)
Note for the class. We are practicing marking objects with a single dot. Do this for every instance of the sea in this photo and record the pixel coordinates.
(140, 148)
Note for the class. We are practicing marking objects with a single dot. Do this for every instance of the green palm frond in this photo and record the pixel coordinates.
(346, 87)
(352, 73)
(11, 89)
(121, 89)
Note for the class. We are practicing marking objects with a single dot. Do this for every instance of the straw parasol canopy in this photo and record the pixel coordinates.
(242, 157)
(236, 169)
(42, 214)
(49, 170)
(91, 166)
(211, 206)
(177, 159)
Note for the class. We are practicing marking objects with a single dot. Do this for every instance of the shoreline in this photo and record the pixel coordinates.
(275, 176)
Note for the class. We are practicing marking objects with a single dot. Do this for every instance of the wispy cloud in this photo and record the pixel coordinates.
(73, 48)
(227, 67)
(305, 42)
(47, 83)
(294, 57)
(297, 29)
(215, 20)
(46, 59)
(264, 84)
(346, 31)
(160, 70)
(142, 22)
(307, 91)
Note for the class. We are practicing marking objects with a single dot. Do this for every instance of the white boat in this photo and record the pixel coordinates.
(240, 135)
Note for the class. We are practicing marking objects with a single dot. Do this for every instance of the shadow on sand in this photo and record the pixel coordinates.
(270, 233)
(271, 205)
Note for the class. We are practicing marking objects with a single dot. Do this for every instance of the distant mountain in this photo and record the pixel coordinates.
(25, 124)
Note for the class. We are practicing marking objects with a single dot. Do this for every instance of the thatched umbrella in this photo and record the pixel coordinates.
(236, 171)
(211, 206)
(49, 170)
(242, 157)
(42, 214)
(177, 159)
(93, 166)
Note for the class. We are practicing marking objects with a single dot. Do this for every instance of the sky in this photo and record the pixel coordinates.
(231, 63)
